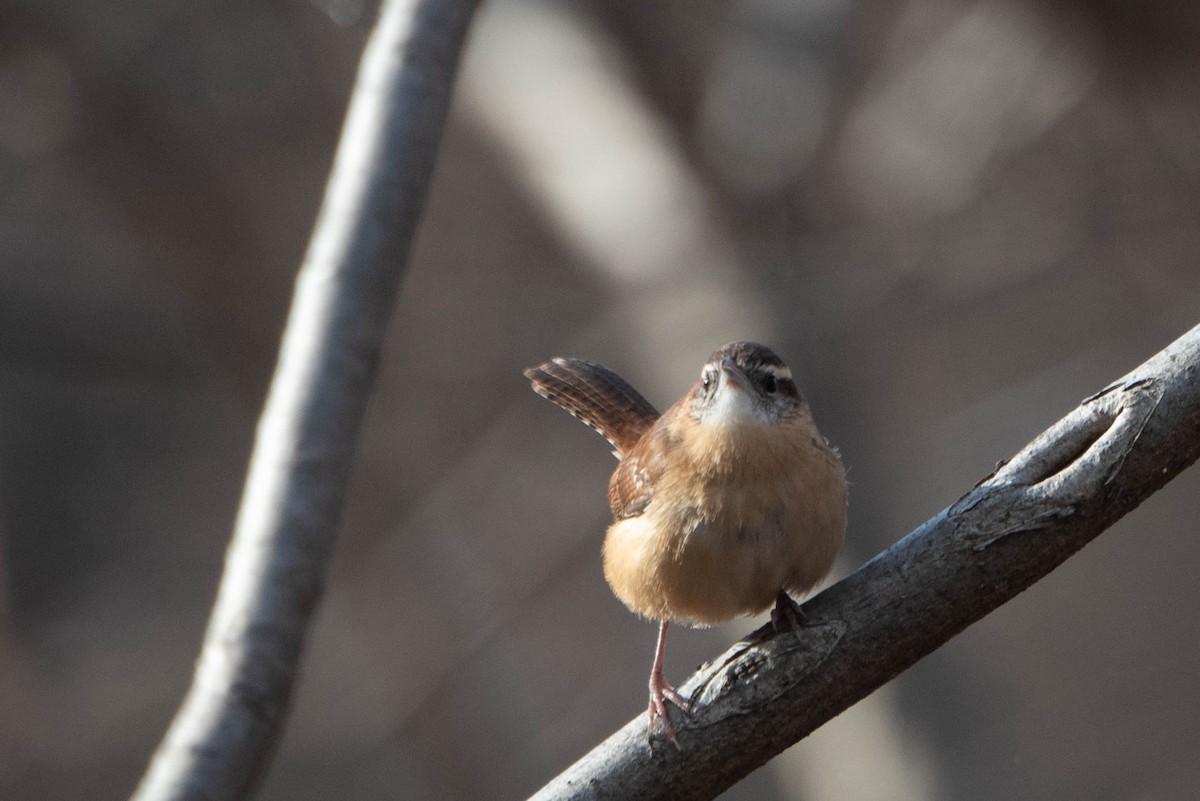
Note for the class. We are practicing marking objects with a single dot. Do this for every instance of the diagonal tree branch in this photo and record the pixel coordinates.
(222, 736)
(1072, 482)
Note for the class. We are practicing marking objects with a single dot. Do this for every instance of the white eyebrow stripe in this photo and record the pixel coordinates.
(781, 373)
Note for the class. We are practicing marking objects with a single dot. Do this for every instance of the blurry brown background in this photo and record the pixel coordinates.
(954, 220)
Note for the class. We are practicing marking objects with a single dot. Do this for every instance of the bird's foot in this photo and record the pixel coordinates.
(660, 693)
(787, 613)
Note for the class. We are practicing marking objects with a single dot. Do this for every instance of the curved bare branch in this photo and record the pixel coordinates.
(767, 692)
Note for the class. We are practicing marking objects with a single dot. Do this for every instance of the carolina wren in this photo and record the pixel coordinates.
(722, 505)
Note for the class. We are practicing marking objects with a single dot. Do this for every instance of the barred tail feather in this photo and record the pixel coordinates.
(597, 396)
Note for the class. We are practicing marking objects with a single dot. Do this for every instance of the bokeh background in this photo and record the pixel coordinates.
(954, 219)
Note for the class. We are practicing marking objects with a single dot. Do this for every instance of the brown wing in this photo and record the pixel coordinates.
(631, 487)
(597, 396)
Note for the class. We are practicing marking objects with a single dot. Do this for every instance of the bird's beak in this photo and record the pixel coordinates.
(732, 375)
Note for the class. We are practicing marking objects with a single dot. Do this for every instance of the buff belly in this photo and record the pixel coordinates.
(728, 545)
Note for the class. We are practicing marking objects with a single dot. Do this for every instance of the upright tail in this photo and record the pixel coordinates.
(597, 396)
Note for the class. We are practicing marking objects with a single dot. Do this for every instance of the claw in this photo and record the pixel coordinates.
(661, 692)
(787, 612)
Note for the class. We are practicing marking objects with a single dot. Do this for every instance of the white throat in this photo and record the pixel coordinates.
(733, 406)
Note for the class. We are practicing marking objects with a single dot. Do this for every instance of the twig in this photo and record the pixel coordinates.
(1072, 482)
(222, 736)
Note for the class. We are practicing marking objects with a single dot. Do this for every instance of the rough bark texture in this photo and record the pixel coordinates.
(767, 692)
(224, 732)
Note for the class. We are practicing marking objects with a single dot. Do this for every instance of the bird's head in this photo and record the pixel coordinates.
(745, 384)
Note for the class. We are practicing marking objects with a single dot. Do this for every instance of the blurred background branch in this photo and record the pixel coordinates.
(219, 742)
(1064, 488)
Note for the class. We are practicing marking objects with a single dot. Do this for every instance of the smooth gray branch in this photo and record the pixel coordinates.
(767, 692)
(221, 738)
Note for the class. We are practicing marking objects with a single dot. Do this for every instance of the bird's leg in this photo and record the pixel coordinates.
(661, 691)
(787, 613)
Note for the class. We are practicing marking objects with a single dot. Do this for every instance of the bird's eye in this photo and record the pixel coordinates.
(769, 384)
(708, 377)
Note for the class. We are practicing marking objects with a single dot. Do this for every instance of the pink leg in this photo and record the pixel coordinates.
(661, 691)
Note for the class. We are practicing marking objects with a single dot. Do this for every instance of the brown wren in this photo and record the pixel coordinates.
(721, 506)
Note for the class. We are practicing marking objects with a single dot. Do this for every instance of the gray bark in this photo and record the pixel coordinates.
(769, 691)
(225, 731)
